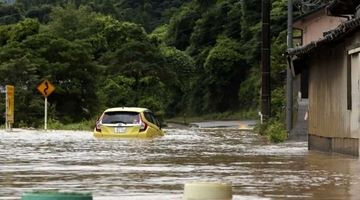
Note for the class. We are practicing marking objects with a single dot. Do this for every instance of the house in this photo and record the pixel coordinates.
(312, 26)
(333, 64)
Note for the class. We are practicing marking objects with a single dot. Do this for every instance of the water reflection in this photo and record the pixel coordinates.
(158, 169)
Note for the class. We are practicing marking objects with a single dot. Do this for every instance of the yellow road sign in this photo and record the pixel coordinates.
(46, 88)
(10, 103)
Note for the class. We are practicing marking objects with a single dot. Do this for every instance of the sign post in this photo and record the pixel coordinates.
(45, 88)
(45, 114)
(9, 107)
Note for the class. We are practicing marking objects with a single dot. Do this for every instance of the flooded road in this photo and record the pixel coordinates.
(159, 168)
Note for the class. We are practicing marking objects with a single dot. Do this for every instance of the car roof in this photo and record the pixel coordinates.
(127, 109)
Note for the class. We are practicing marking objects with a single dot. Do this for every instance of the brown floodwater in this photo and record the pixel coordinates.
(73, 161)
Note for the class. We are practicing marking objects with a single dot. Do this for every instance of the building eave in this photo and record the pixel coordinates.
(309, 14)
(332, 36)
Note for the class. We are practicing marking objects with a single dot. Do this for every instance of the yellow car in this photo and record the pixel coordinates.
(128, 122)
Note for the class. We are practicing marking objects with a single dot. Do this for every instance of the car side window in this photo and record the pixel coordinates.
(151, 118)
(155, 120)
(148, 117)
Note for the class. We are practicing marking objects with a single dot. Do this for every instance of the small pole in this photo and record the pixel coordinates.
(6, 120)
(6, 111)
(45, 120)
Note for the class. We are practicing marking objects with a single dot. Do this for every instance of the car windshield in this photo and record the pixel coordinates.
(121, 117)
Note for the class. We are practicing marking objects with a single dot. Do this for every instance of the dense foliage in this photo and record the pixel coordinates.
(175, 57)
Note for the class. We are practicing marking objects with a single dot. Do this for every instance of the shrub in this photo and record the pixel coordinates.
(274, 130)
(261, 128)
(54, 124)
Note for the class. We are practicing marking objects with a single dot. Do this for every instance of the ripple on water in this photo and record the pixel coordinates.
(158, 168)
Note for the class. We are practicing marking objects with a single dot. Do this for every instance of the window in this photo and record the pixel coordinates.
(151, 118)
(348, 83)
(121, 117)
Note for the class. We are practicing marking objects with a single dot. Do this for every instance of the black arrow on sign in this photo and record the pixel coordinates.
(46, 88)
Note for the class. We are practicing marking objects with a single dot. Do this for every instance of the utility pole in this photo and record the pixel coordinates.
(289, 78)
(265, 60)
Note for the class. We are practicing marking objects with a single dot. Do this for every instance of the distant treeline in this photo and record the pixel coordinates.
(172, 56)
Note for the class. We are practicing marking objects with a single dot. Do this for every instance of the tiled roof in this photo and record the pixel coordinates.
(343, 7)
(332, 36)
(309, 13)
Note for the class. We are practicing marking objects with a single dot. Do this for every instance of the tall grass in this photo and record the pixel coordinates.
(87, 125)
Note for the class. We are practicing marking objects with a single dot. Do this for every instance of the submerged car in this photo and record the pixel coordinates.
(128, 122)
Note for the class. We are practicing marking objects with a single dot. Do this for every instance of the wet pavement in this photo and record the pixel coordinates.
(158, 169)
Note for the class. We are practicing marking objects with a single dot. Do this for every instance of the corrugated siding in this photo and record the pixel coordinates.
(327, 93)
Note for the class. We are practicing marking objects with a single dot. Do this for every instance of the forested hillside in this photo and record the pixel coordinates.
(176, 57)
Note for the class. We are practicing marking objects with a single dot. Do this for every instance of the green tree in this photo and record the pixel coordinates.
(225, 68)
(23, 29)
(4, 34)
(9, 14)
(143, 62)
(117, 90)
(181, 27)
(71, 23)
(203, 56)
(117, 33)
(41, 13)
(69, 66)
(209, 26)
(18, 68)
(181, 67)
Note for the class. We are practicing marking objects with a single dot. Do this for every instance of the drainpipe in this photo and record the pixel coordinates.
(289, 78)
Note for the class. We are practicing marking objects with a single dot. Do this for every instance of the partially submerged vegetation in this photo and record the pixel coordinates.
(273, 130)
(81, 126)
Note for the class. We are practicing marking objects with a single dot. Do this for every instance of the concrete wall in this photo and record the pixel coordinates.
(348, 146)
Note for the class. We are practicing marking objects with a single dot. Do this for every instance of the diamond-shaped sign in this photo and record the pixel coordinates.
(46, 88)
